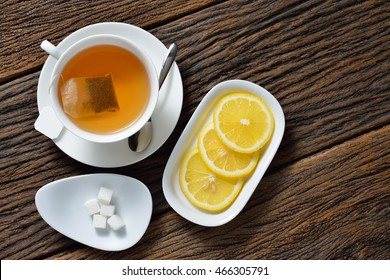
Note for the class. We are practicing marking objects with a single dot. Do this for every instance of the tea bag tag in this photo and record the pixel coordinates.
(48, 123)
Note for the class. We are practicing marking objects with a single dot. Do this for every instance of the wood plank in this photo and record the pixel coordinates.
(346, 185)
(26, 24)
(327, 63)
(316, 208)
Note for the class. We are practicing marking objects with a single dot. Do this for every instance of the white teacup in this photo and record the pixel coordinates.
(44, 124)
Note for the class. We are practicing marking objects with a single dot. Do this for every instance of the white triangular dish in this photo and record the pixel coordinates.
(62, 205)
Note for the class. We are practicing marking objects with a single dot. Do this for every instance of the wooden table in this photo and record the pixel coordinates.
(326, 194)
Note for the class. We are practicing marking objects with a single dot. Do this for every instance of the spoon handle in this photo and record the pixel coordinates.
(169, 59)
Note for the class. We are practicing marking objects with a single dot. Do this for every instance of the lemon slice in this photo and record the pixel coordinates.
(221, 159)
(204, 188)
(243, 121)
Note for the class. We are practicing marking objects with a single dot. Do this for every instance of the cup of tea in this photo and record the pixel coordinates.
(103, 88)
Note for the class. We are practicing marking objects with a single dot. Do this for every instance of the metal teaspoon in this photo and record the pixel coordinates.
(141, 139)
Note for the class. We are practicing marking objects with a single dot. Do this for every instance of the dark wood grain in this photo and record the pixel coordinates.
(325, 71)
(321, 204)
(326, 193)
(24, 25)
(316, 208)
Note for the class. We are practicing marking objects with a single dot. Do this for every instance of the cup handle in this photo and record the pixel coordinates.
(51, 49)
(48, 123)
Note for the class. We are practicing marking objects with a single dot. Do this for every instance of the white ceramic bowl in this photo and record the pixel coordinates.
(187, 140)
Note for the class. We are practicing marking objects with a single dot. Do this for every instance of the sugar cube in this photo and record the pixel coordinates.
(115, 222)
(105, 195)
(107, 210)
(92, 206)
(103, 211)
(99, 221)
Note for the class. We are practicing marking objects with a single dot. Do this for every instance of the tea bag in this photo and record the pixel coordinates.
(87, 96)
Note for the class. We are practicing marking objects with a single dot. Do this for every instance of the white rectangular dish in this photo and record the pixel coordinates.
(187, 140)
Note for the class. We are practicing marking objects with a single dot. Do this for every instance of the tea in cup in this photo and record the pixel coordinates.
(103, 88)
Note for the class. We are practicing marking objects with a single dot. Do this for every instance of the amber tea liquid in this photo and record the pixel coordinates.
(131, 84)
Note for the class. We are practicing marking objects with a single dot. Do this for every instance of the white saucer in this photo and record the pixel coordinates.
(164, 118)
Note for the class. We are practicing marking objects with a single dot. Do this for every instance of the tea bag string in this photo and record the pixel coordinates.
(54, 79)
